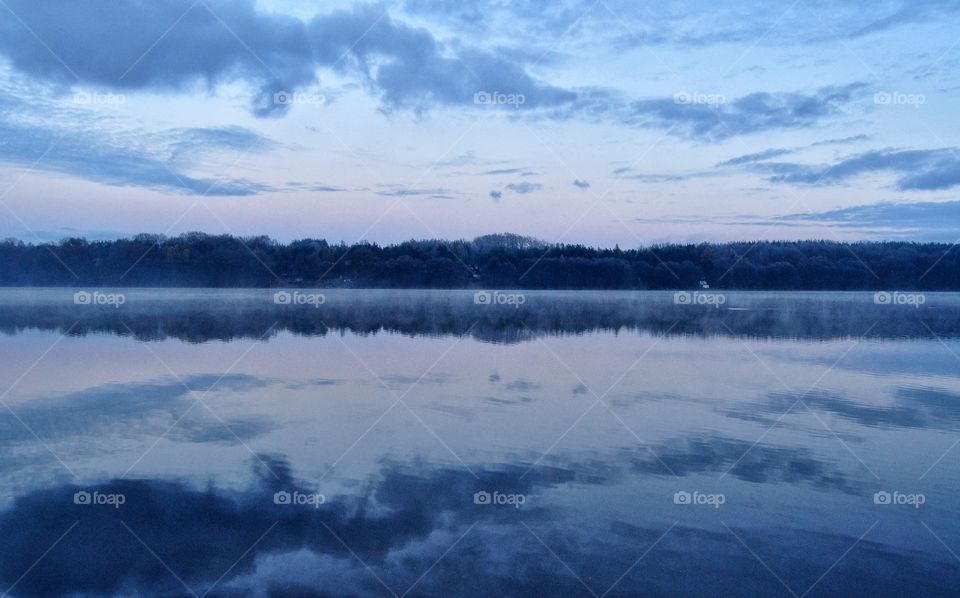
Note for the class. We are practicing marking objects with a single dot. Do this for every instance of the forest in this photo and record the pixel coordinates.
(501, 261)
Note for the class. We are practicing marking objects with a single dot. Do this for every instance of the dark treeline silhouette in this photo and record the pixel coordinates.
(492, 261)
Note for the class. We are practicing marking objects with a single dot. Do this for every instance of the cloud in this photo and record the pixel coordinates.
(194, 143)
(906, 13)
(917, 170)
(408, 68)
(99, 152)
(503, 171)
(401, 191)
(405, 67)
(627, 24)
(94, 158)
(465, 159)
(631, 173)
(784, 151)
(841, 141)
(399, 60)
(934, 220)
(496, 195)
(752, 113)
(180, 45)
(916, 221)
(469, 158)
(314, 188)
(524, 188)
(756, 157)
(581, 184)
(171, 45)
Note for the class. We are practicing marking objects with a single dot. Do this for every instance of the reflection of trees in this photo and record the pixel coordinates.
(159, 315)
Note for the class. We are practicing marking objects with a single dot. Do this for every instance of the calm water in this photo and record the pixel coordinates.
(420, 443)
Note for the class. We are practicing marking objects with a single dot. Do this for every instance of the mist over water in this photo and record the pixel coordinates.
(453, 443)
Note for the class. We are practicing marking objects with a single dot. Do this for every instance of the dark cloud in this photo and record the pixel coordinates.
(917, 170)
(927, 220)
(524, 188)
(753, 113)
(178, 45)
(919, 214)
(173, 45)
(502, 171)
(644, 177)
(408, 68)
(314, 188)
(757, 157)
(434, 193)
(784, 151)
(496, 195)
(842, 140)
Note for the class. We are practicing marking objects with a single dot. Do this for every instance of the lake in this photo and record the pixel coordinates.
(441, 443)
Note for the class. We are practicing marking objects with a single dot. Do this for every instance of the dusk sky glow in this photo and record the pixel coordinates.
(595, 121)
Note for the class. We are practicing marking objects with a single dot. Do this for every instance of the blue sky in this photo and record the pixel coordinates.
(593, 121)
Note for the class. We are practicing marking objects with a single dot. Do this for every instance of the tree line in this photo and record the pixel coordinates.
(492, 261)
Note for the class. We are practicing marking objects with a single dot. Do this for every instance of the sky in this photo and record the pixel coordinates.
(581, 121)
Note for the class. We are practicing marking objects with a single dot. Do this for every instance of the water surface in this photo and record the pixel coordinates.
(421, 443)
